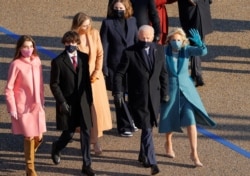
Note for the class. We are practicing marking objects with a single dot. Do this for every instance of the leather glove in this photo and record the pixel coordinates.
(210, 1)
(64, 108)
(14, 115)
(165, 99)
(118, 99)
(195, 37)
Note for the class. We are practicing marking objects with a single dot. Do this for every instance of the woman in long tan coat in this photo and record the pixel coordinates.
(91, 44)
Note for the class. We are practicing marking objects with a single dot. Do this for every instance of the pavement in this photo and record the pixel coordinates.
(224, 150)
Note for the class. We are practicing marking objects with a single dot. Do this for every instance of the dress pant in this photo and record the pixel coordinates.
(147, 146)
(68, 134)
(195, 66)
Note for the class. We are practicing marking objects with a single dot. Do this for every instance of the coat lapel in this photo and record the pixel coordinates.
(119, 30)
(68, 62)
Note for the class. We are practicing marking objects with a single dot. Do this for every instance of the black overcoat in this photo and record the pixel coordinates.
(75, 89)
(114, 41)
(145, 87)
(198, 16)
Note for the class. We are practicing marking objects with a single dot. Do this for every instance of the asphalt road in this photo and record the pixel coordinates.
(224, 150)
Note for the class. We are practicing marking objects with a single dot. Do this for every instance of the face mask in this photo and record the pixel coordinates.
(144, 44)
(70, 48)
(176, 44)
(119, 13)
(27, 52)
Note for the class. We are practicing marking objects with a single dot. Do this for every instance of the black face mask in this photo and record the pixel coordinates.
(144, 44)
(119, 13)
(70, 48)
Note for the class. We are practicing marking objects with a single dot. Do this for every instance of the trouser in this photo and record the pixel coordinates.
(67, 135)
(147, 146)
(195, 66)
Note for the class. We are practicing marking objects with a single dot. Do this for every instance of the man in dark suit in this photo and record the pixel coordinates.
(71, 87)
(144, 65)
(196, 14)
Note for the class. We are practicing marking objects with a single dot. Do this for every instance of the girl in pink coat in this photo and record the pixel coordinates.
(25, 98)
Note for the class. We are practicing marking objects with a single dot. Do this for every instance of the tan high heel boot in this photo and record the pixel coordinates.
(29, 155)
(37, 143)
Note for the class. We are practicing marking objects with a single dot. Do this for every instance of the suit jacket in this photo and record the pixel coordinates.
(180, 81)
(198, 16)
(114, 41)
(75, 89)
(145, 86)
(145, 12)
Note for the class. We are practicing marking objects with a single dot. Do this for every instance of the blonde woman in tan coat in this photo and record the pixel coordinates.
(91, 44)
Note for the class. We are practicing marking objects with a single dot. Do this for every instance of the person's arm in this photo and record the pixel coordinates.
(9, 89)
(99, 58)
(105, 44)
(154, 18)
(55, 82)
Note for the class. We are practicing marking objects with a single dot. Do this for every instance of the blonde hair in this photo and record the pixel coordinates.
(179, 31)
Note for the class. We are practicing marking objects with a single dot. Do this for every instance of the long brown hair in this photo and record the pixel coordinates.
(19, 44)
(128, 6)
(78, 20)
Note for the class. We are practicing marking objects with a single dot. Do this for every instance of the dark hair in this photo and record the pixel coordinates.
(71, 37)
(19, 44)
(128, 6)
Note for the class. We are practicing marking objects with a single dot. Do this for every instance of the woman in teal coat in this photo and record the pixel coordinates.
(184, 108)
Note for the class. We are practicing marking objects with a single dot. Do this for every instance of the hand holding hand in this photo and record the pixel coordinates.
(118, 98)
(195, 37)
(14, 115)
(64, 108)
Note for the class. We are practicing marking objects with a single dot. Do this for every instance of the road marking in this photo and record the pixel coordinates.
(200, 129)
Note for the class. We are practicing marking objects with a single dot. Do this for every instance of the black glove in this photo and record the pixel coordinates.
(118, 99)
(165, 99)
(64, 108)
(210, 1)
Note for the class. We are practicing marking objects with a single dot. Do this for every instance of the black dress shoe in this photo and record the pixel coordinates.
(55, 155)
(199, 81)
(154, 169)
(144, 161)
(88, 171)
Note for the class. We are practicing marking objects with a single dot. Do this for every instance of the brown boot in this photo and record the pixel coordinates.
(29, 153)
(37, 143)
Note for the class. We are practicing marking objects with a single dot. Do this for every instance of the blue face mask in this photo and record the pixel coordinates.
(176, 44)
(70, 48)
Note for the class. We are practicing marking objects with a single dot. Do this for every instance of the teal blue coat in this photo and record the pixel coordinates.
(180, 81)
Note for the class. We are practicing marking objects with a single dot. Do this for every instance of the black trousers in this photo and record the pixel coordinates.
(147, 146)
(195, 66)
(67, 136)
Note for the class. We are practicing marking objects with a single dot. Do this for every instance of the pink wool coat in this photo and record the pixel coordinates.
(100, 110)
(25, 95)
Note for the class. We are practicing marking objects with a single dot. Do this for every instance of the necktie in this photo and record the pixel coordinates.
(74, 62)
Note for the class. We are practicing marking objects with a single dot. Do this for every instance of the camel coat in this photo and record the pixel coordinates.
(100, 110)
(25, 95)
